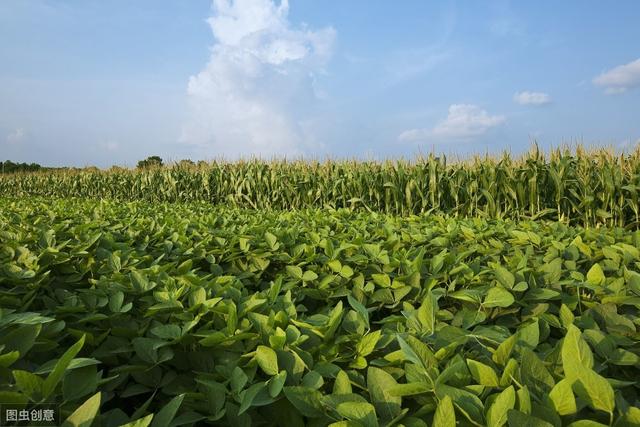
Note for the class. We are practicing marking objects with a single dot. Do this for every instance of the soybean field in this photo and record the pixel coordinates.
(495, 292)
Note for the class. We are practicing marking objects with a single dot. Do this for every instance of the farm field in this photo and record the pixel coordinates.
(165, 314)
(588, 188)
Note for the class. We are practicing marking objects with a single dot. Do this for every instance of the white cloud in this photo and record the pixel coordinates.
(532, 98)
(619, 79)
(464, 122)
(254, 95)
(17, 136)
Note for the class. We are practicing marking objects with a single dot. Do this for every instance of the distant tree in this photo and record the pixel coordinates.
(186, 163)
(10, 167)
(149, 162)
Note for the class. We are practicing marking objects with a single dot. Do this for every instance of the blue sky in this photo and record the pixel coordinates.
(89, 82)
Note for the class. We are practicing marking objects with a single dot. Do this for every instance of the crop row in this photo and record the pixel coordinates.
(169, 315)
(585, 188)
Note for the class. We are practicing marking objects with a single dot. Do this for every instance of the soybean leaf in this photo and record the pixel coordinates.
(445, 415)
(498, 297)
(595, 275)
(267, 360)
(596, 390)
(59, 370)
(562, 398)
(379, 382)
(483, 374)
(520, 419)
(306, 400)
(168, 412)
(85, 414)
(141, 422)
(576, 354)
(498, 411)
(505, 277)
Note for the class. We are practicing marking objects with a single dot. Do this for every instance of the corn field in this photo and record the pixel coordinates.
(588, 188)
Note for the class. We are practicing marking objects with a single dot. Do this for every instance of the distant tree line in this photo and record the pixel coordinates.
(156, 162)
(10, 167)
(150, 162)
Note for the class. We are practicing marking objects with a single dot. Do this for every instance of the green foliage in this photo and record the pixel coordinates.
(150, 162)
(168, 314)
(8, 166)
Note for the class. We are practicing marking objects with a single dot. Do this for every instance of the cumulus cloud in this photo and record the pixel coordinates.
(257, 91)
(532, 98)
(16, 136)
(464, 122)
(620, 79)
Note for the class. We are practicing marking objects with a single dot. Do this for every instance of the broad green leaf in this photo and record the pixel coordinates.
(342, 384)
(362, 412)
(467, 403)
(576, 354)
(595, 390)
(8, 359)
(379, 382)
(13, 397)
(267, 360)
(306, 400)
(313, 380)
(529, 335)
(169, 332)
(80, 382)
(483, 374)
(248, 396)
(238, 379)
(409, 353)
(520, 419)
(140, 282)
(566, 316)
(147, 348)
(588, 423)
(85, 414)
(367, 343)
(534, 374)
(498, 297)
(382, 280)
(445, 415)
(114, 263)
(271, 240)
(427, 313)
(562, 398)
(497, 413)
(276, 383)
(21, 339)
(410, 389)
(29, 384)
(309, 276)
(294, 271)
(595, 275)
(168, 412)
(524, 400)
(505, 277)
(141, 422)
(360, 309)
(59, 370)
(503, 352)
